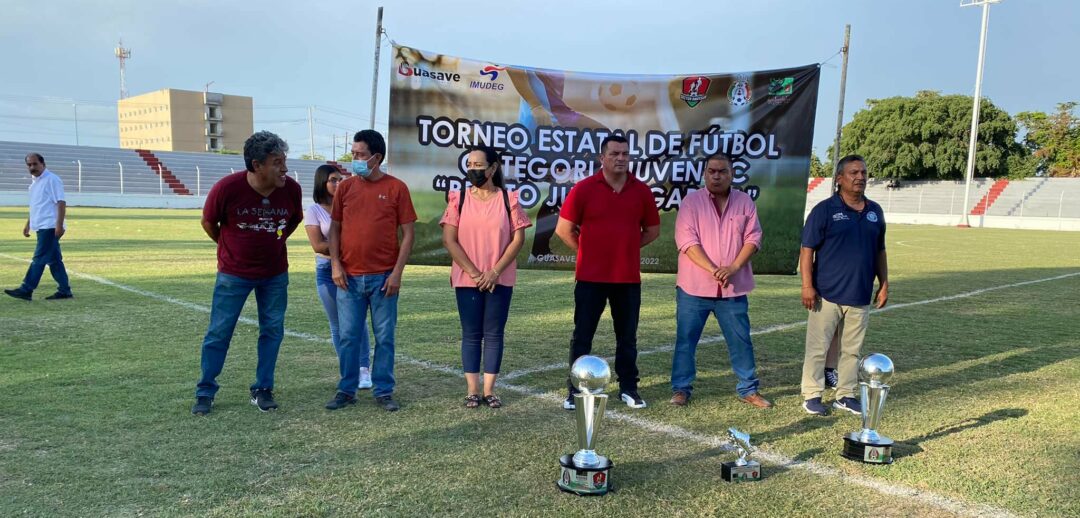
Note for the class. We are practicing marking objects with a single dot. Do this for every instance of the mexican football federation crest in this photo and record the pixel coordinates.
(740, 92)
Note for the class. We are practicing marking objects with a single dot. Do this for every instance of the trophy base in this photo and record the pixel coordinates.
(731, 472)
(874, 452)
(593, 481)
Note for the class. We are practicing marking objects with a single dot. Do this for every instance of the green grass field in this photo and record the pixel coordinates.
(94, 417)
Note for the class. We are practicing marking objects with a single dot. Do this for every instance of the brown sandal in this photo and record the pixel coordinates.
(472, 401)
(493, 401)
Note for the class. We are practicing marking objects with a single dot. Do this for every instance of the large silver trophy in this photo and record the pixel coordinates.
(868, 445)
(740, 470)
(586, 472)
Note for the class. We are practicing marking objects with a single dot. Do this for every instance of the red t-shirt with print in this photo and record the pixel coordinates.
(254, 227)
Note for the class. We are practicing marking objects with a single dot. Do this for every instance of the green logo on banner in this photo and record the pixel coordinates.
(781, 87)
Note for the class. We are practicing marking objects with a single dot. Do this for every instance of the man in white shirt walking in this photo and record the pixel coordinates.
(47, 211)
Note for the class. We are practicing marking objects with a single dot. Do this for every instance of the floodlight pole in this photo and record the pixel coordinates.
(840, 114)
(375, 72)
(973, 141)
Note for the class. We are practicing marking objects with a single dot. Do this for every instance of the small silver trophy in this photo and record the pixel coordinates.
(586, 472)
(741, 470)
(867, 445)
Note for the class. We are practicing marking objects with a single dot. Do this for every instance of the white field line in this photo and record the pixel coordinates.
(925, 497)
(793, 325)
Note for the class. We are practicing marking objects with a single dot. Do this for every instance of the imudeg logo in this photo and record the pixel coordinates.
(406, 70)
(491, 72)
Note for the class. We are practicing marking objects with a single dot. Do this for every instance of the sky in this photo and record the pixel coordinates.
(289, 55)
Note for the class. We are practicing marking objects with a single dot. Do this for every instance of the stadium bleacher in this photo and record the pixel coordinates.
(1033, 197)
(101, 169)
(188, 173)
(1040, 198)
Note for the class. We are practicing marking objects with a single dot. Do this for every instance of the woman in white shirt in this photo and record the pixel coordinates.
(317, 225)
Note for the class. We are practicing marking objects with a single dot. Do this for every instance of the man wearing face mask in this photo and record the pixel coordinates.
(367, 261)
(607, 218)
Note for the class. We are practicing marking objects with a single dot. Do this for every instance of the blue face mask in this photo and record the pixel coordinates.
(360, 168)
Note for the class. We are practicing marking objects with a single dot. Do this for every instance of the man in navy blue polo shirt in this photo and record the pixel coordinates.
(843, 249)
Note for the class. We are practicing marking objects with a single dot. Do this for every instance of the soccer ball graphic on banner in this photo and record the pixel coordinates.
(618, 96)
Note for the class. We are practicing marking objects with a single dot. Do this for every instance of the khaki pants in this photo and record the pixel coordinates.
(825, 321)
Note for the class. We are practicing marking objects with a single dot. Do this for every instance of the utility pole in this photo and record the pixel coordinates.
(375, 73)
(840, 114)
(311, 130)
(75, 108)
(973, 141)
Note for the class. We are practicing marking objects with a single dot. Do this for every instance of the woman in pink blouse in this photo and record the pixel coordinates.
(483, 229)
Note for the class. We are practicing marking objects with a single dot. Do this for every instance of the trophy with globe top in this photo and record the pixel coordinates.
(586, 472)
(741, 469)
(867, 445)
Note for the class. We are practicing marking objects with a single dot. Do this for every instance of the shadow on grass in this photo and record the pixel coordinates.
(639, 474)
(809, 454)
(912, 446)
(807, 424)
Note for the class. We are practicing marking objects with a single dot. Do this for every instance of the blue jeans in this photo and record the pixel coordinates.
(47, 252)
(365, 294)
(691, 314)
(324, 283)
(230, 294)
(483, 319)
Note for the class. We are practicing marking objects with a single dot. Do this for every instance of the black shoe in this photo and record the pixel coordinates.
(20, 294)
(264, 399)
(59, 296)
(387, 403)
(631, 398)
(203, 405)
(341, 400)
(831, 378)
(569, 403)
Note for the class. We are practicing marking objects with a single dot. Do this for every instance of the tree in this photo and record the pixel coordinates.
(926, 137)
(1053, 140)
(309, 156)
(345, 157)
(818, 169)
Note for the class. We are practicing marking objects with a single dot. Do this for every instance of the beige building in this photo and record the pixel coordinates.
(182, 120)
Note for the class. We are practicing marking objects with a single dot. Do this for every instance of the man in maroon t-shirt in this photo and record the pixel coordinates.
(607, 218)
(249, 215)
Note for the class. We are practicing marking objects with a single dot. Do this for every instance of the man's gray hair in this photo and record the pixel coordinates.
(840, 168)
(260, 146)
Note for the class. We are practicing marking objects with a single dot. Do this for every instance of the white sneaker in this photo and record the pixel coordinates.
(365, 378)
(631, 398)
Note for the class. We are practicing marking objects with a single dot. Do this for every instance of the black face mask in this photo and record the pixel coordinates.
(477, 177)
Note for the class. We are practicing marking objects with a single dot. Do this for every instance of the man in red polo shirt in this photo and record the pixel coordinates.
(607, 218)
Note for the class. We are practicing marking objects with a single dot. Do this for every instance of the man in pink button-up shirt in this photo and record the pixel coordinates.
(717, 231)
